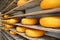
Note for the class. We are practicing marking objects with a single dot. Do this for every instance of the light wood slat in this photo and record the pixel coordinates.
(38, 13)
(40, 28)
(56, 35)
(16, 37)
(8, 37)
(3, 4)
(9, 5)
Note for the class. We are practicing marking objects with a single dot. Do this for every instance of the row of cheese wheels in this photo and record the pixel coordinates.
(29, 32)
(50, 21)
(45, 4)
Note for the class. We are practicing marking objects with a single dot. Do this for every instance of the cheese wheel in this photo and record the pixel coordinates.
(20, 29)
(12, 32)
(4, 28)
(8, 26)
(49, 4)
(29, 21)
(53, 22)
(21, 2)
(12, 21)
(5, 21)
(34, 33)
(6, 16)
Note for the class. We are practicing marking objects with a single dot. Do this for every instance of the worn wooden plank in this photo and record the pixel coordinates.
(8, 6)
(40, 28)
(38, 13)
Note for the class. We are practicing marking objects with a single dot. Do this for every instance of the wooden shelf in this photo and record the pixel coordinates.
(6, 36)
(16, 37)
(27, 5)
(50, 31)
(30, 3)
(42, 38)
(3, 4)
(40, 28)
(37, 13)
(8, 6)
(52, 34)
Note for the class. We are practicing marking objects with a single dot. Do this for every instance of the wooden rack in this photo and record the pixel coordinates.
(15, 37)
(38, 27)
(6, 36)
(23, 7)
(9, 6)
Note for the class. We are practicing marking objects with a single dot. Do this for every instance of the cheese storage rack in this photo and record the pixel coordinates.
(12, 9)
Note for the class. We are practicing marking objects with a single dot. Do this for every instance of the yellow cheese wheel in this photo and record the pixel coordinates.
(21, 2)
(12, 21)
(53, 22)
(8, 26)
(4, 28)
(49, 4)
(12, 32)
(6, 16)
(20, 29)
(5, 21)
(29, 21)
(34, 33)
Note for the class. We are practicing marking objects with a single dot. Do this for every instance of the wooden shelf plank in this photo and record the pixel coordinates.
(37, 13)
(30, 3)
(56, 35)
(50, 32)
(6, 36)
(16, 37)
(40, 28)
(9, 5)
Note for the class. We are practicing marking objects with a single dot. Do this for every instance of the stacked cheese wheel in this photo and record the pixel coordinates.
(10, 21)
(8, 26)
(12, 32)
(6, 16)
(34, 33)
(53, 22)
(21, 2)
(50, 4)
(4, 28)
(29, 21)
